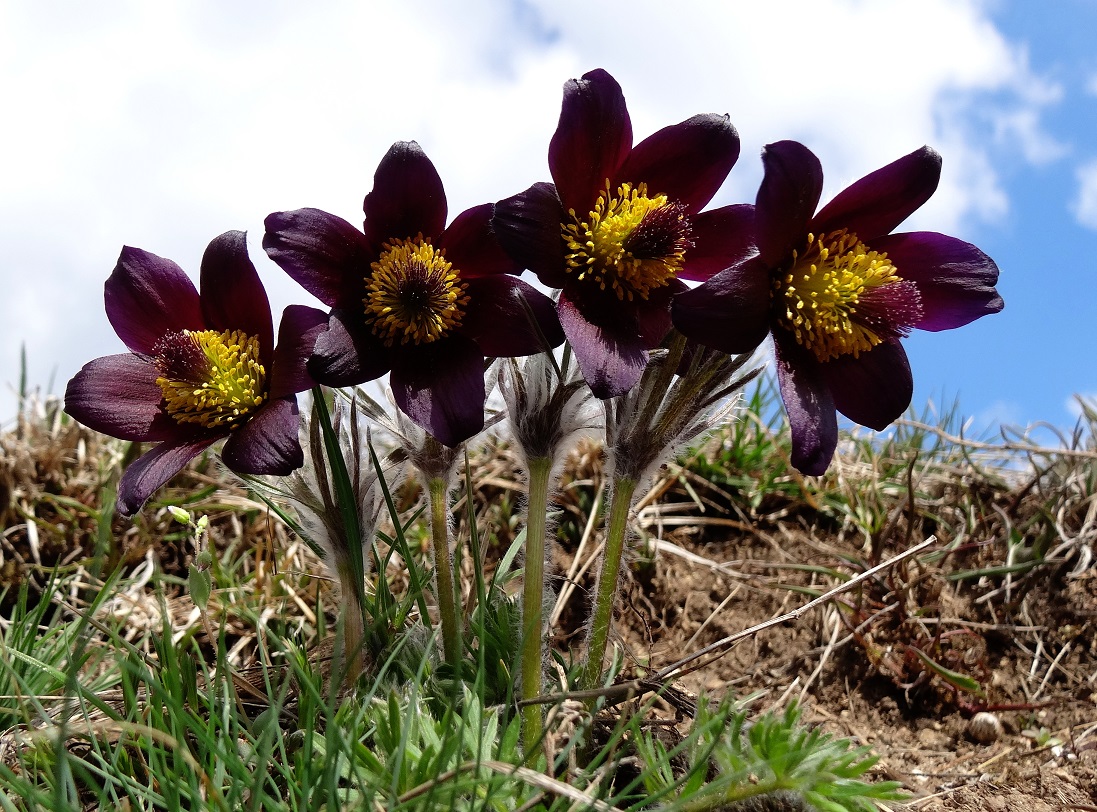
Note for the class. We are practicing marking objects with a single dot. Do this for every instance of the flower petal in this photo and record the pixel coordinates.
(528, 226)
(591, 141)
(687, 162)
(787, 198)
(872, 389)
(407, 198)
(154, 469)
(730, 312)
(499, 313)
(440, 386)
(955, 279)
(233, 298)
(809, 406)
(652, 315)
(147, 296)
(267, 443)
(347, 353)
(611, 357)
(881, 200)
(324, 254)
(471, 245)
(722, 238)
(118, 395)
(297, 334)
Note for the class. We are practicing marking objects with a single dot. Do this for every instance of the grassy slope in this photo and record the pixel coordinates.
(164, 703)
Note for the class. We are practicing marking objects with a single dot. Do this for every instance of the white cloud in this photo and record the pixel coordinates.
(1084, 205)
(1091, 85)
(1023, 128)
(161, 125)
(989, 421)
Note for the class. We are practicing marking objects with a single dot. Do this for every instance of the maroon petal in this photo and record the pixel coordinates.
(118, 395)
(653, 314)
(872, 389)
(440, 386)
(528, 226)
(499, 316)
(809, 406)
(787, 198)
(267, 443)
(687, 162)
(611, 358)
(730, 312)
(324, 254)
(471, 246)
(407, 197)
(347, 353)
(148, 296)
(955, 279)
(154, 469)
(722, 237)
(233, 298)
(880, 201)
(297, 334)
(591, 141)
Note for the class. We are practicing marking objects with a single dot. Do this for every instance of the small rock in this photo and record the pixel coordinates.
(984, 728)
(932, 739)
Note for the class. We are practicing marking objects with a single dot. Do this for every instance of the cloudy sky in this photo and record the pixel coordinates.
(161, 125)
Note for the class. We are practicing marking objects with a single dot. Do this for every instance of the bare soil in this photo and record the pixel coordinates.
(852, 667)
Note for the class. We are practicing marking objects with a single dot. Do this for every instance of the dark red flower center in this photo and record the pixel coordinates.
(210, 378)
(838, 297)
(631, 242)
(414, 295)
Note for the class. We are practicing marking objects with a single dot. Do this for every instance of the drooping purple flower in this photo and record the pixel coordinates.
(202, 367)
(621, 226)
(838, 290)
(412, 297)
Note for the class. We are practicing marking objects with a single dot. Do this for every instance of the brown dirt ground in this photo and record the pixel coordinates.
(1036, 657)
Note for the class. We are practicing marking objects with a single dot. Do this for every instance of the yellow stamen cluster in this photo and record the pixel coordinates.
(414, 295)
(230, 387)
(817, 298)
(598, 247)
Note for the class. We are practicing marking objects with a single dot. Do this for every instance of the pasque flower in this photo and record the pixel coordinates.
(202, 367)
(622, 225)
(411, 296)
(838, 290)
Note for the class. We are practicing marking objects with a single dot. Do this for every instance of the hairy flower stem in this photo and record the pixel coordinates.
(540, 471)
(606, 590)
(352, 653)
(443, 568)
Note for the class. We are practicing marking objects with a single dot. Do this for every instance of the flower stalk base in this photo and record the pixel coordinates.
(443, 568)
(533, 590)
(606, 590)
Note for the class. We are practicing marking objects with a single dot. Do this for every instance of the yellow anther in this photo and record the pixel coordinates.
(211, 378)
(631, 242)
(821, 298)
(414, 295)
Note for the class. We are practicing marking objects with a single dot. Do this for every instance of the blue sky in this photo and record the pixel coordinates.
(162, 125)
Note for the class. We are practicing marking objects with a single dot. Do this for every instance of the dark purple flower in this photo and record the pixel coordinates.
(202, 367)
(621, 225)
(413, 297)
(838, 290)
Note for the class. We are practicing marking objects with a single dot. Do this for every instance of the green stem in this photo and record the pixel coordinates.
(606, 590)
(443, 569)
(350, 660)
(533, 600)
